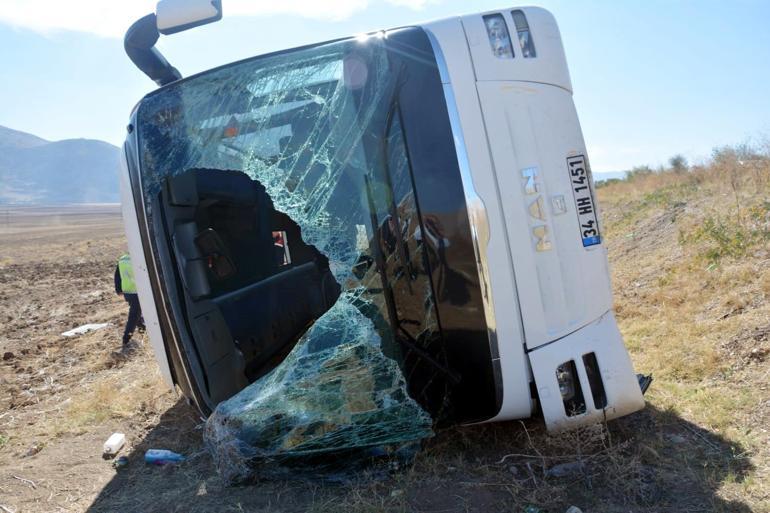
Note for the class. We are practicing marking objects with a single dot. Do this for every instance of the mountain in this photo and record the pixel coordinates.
(36, 171)
(10, 138)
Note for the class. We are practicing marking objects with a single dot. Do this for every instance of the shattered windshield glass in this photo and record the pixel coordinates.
(335, 407)
(296, 124)
(316, 130)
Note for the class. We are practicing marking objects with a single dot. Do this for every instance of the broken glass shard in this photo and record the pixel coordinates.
(330, 409)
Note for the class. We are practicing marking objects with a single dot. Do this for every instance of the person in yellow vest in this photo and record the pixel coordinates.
(126, 286)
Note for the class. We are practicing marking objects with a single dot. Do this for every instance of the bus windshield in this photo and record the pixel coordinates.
(317, 131)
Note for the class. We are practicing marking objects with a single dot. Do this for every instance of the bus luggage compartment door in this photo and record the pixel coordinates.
(550, 212)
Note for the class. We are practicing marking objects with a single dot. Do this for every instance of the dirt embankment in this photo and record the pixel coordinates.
(694, 311)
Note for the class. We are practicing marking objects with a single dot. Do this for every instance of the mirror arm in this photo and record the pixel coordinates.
(139, 44)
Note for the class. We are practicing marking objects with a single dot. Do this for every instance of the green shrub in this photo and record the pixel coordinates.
(733, 236)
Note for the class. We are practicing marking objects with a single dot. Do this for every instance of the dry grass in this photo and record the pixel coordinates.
(110, 398)
(690, 254)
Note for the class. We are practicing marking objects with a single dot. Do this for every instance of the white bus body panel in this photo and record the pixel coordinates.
(550, 65)
(532, 129)
(519, 125)
(620, 383)
(138, 262)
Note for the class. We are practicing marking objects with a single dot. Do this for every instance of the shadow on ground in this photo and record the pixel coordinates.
(653, 461)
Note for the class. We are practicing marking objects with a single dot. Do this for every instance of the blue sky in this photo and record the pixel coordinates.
(651, 78)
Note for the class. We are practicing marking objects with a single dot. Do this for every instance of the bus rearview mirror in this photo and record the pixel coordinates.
(177, 15)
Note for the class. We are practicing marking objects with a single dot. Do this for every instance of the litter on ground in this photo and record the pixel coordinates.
(162, 457)
(114, 443)
(85, 328)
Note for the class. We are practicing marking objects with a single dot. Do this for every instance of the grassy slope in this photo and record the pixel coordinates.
(690, 255)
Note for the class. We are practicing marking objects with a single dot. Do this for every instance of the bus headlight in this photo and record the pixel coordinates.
(525, 36)
(499, 39)
(566, 379)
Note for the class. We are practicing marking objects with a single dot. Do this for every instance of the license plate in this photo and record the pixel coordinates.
(580, 179)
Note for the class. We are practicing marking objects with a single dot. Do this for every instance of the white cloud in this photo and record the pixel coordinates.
(111, 18)
(334, 10)
(108, 18)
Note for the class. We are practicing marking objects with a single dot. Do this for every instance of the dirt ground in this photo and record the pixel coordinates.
(60, 398)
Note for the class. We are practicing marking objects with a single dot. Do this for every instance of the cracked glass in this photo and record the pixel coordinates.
(319, 130)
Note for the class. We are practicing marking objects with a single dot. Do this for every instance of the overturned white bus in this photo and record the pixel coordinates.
(434, 176)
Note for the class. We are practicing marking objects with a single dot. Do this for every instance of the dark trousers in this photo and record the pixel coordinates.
(134, 316)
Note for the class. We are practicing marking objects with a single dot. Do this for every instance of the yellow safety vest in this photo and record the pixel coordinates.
(127, 283)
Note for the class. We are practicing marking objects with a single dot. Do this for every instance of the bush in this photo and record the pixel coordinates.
(733, 236)
(744, 152)
(638, 171)
(678, 163)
